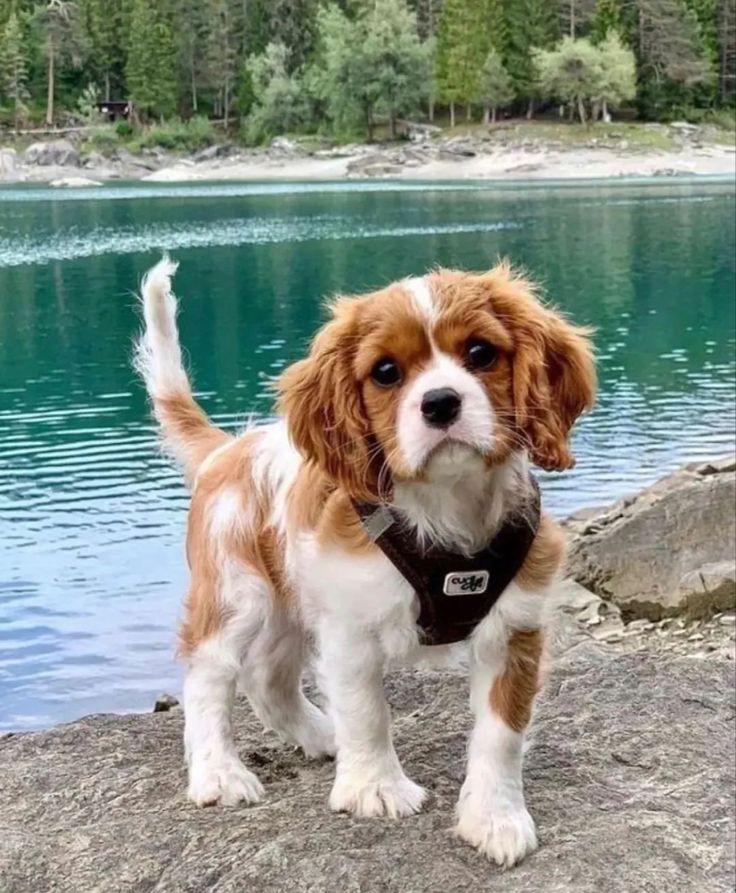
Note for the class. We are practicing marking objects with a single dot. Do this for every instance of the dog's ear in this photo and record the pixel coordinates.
(553, 369)
(322, 402)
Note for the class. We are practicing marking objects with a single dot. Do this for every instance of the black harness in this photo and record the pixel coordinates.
(455, 591)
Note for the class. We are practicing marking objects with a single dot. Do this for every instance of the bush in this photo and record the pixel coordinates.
(178, 135)
(104, 138)
(124, 129)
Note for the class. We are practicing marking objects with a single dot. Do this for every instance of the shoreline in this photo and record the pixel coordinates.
(454, 159)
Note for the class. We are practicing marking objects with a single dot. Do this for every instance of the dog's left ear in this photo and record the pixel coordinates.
(554, 378)
(324, 410)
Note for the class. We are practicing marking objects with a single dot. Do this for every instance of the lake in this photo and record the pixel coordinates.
(92, 568)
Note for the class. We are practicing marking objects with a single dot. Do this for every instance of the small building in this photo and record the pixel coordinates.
(115, 110)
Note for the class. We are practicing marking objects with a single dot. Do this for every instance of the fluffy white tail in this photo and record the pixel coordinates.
(187, 432)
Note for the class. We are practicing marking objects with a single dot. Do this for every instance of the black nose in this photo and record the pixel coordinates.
(441, 407)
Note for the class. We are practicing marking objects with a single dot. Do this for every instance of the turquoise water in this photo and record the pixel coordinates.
(92, 519)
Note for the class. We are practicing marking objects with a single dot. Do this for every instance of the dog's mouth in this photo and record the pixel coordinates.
(451, 456)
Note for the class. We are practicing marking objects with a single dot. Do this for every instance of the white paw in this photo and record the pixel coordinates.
(315, 735)
(504, 833)
(394, 796)
(226, 782)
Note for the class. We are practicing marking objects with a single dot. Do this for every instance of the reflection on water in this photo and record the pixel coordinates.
(92, 519)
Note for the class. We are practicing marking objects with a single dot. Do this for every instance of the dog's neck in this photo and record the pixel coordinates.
(461, 502)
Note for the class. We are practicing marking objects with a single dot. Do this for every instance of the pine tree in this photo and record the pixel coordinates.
(63, 38)
(13, 70)
(462, 45)
(607, 17)
(151, 67)
(104, 22)
(531, 24)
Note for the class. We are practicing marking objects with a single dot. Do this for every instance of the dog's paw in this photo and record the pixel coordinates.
(504, 833)
(226, 782)
(317, 737)
(393, 796)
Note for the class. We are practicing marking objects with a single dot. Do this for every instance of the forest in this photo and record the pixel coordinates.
(346, 67)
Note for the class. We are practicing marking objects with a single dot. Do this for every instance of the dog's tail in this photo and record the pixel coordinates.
(186, 431)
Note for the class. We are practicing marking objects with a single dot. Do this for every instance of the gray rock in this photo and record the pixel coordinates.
(281, 147)
(653, 554)
(377, 164)
(211, 152)
(165, 702)
(8, 161)
(93, 159)
(457, 147)
(57, 153)
(630, 779)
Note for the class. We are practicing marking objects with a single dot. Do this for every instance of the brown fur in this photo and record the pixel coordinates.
(513, 692)
(545, 556)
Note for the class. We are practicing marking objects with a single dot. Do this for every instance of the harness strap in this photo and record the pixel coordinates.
(455, 591)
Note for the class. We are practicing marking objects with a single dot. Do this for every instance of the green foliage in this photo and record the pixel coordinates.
(13, 70)
(616, 74)
(495, 87)
(87, 104)
(124, 129)
(530, 24)
(607, 17)
(279, 103)
(150, 69)
(569, 73)
(178, 135)
(373, 64)
(462, 44)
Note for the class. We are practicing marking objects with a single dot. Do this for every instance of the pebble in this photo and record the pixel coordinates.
(727, 620)
(642, 625)
(696, 637)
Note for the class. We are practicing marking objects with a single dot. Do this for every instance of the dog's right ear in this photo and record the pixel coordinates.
(321, 400)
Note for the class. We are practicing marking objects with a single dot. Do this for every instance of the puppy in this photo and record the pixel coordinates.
(425, 401)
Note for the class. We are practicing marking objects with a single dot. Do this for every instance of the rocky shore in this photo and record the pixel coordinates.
(630, 774)
(679, 149)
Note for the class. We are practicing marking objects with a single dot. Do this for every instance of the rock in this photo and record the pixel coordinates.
(374, 165)
(457, 147)
(8, 161)
(57, 153)
(74, 182)
(685, 126)
(94, 159)
(129, 160)
(165, 702)
(629, 777)
(281, 147)
(211, 152)
(668, 550)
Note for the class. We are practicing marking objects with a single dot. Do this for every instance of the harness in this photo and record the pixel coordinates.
(455, 591)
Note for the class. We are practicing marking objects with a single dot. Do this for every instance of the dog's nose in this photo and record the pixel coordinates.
(440, 407)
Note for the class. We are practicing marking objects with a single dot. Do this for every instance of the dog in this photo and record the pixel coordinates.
(420, 407)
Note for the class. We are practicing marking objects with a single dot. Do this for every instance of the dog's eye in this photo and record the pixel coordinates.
(479, 354)
(386, 373)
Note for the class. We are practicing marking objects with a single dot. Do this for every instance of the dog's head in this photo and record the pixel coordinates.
(404, 383)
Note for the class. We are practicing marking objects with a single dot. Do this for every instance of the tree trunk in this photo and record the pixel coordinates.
(486, 115)
(430, 110)
(493, 115)
(107, 86)
(369, 124)
(605, 114)
(50, 87)
(392, 124)
(530, 109)
(581, 110)
(194, 87)
(452, 114)
(468, 112)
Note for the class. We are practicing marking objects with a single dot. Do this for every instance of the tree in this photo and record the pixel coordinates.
(607, 17)
(370, 64)
(575, 15)
(279, 104)
(462, 45)
(62, 39)
(223, 56)
(104, 23)
(151, 67)
(727, 51)
(616, 79)
(495, 87)
(13, 70)
(570, 72)
(530, 25)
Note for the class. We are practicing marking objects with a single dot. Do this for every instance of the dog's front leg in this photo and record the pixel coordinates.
(491, 812)
(369, 779)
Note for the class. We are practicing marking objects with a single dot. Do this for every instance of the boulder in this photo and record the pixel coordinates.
(211, 152)
(281, 147)
(629, 777)
(74, 182)
(57, 153)
(8, 161)
(667, 551)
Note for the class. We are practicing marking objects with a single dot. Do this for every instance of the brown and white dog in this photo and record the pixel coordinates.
(281, 566)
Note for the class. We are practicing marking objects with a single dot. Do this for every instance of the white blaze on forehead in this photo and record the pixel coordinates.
(421, 296)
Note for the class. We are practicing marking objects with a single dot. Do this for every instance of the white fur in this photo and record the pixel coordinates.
(421, 297)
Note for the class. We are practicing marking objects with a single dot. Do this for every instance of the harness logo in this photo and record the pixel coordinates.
(466, 583)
